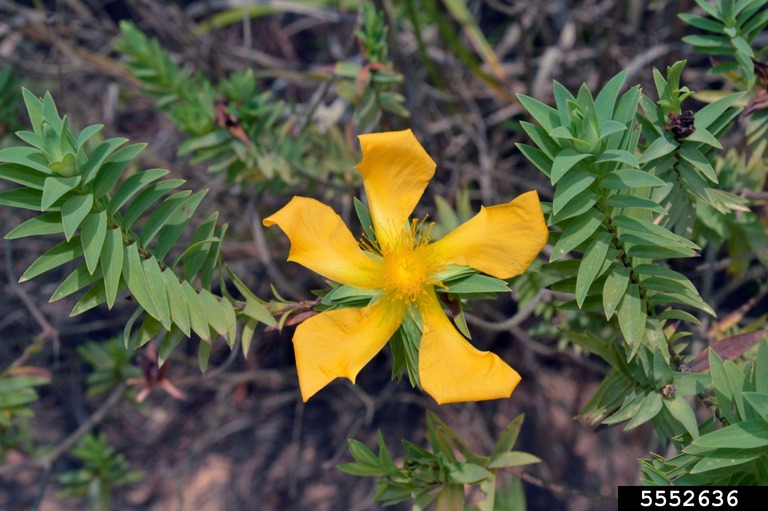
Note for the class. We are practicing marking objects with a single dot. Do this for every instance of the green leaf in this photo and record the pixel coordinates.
(34, 109)
(197, 316)
(658, 149)
(631, 315)
(705, 137)
(24, 198)
(55, 187)
(170, 342)
(179, 311)
(468, 473)
(576, 233)
(543, 141)
(161, 215)
(26, 156)
(619, 156)
(134, 276)
(605, 102)
(655, 251)
(564, 161)
(194, 257)
(94, 232)
(176, 225)
(22, 175)
(87, 133)
(475, 283)
(722, 384)
(630, 201)
(613, 290)
(571, 188)
(649, 228)
(364, 215)
(203, 355)
(94, 297)
(63, 253)
(544, 114)
(249, 329)
(629, 178)
(47, 223)
(131, 187)
(759, 403)
(761, 368)
(73, 212)
(537, 157)
(674, 314)
(709, 114)
(228, 313)
(50, 114)
(214, 317)
(157, 291)
(77, 280)
(679, 408)
(99, 156)
(650, 406)
(109, 173)
(724, 460)
(112, 263)
(256, 310)
(590, 266)
(147, 198)
(684, 299)
(751, 434)
(512, 459)
(697, 159)
(508, 437)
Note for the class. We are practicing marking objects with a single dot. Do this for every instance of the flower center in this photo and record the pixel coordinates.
(408, 267)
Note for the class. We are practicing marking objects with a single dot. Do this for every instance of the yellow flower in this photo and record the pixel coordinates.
(500, 241)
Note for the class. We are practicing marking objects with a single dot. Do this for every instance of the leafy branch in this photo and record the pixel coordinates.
(85, 196)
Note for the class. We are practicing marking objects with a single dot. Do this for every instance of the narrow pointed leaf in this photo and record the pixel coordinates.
(92, 298)
(94, 232)
(56, 187)
(147, 198)
(178, 306)
(112, 257)
(63, 253)
(133, 273)
(110, 171)
(613, 290)
(577, 232)
(631, 315)
(47, 223)
(593, 260)
(73, 212)
(77, 280)
(197, 316)
(161, 215)
(99, 156)
(131, 187)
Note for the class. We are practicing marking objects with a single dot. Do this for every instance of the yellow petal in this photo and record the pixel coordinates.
(338, 343)
(500, 240)
(321, 242)
(396, 170)
(451, 370)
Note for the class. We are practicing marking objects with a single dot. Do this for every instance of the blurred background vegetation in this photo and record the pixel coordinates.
(258, 101)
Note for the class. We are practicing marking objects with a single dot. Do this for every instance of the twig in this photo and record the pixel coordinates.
(507, 324)
(275, 275)
(49, 332)
(560, 489)
(47, 460)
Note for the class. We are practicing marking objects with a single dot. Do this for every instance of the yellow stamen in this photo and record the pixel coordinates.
(408, 268)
